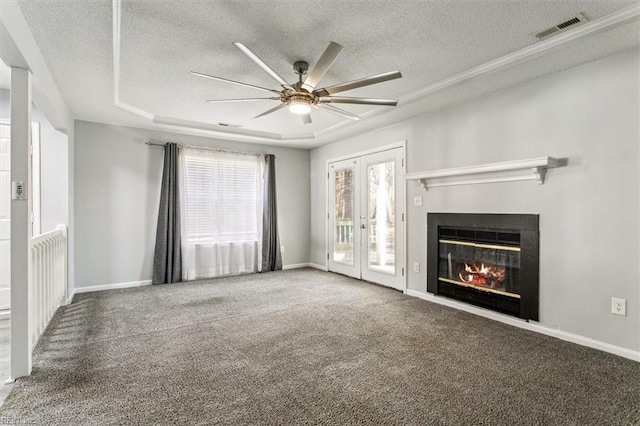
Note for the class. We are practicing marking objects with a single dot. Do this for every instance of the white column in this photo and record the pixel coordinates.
(71, 271)
(20, 222)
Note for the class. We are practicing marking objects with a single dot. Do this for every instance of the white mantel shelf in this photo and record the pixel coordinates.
(531, 169)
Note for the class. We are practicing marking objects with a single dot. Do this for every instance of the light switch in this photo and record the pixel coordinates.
(417, 200)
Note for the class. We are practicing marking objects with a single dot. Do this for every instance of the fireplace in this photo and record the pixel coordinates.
(488, 260)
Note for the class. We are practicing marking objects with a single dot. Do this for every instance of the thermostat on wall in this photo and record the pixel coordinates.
(18, 191)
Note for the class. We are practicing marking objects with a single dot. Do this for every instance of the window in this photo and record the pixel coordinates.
(221, 211)
(222, 190)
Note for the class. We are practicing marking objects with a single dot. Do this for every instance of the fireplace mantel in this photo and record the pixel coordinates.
(531, 169)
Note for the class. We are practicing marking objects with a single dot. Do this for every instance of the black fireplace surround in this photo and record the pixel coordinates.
(487, 260)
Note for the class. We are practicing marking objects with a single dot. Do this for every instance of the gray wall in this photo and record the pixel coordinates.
(117, 187)
(54, 182)
(589, 214)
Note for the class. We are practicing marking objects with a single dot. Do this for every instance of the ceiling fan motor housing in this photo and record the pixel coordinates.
(300, 97)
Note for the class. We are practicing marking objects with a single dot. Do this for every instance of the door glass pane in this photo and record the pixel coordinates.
(382, 221)
(343, 248)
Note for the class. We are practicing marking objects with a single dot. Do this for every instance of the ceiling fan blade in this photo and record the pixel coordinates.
(379, 78)
(322, 66)
(306, 118)
(338, 111)
(212, 101)
(274, 109)
(359, 101)
(199, 74)
(262, 64)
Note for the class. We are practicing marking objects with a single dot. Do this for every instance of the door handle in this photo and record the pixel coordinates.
(362, 226)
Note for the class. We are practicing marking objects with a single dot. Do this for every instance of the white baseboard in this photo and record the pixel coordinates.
(316, 266)
(532, 326)
(111, 286)
(295, 266)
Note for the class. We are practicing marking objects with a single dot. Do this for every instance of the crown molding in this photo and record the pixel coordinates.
(220, 131)
(528, 53)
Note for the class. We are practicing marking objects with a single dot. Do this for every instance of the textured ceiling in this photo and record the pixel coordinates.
(160, 42)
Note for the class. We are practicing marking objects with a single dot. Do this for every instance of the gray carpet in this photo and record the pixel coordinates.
(307, 347)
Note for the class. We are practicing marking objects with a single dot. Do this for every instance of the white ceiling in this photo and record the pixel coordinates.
(137, 72)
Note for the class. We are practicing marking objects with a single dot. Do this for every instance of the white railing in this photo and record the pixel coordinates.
(49, 279)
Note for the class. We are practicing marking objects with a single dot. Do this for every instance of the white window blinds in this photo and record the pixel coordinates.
(221, 194)
(221, 206)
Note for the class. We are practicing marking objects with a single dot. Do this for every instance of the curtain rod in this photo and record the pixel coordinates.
(209, 148)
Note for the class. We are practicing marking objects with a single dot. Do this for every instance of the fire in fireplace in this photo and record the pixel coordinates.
(489, 260)
(484, 276)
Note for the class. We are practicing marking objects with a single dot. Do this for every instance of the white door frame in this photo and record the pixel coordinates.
(402, 188)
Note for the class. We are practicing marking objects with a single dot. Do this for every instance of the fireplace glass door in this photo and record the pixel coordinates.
(487, 261)
(490, 260)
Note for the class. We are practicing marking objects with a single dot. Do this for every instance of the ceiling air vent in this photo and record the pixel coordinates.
(578, 19)
(229, 125)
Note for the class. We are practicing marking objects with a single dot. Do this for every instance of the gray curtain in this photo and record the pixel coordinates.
(167, 259)
(271, 258)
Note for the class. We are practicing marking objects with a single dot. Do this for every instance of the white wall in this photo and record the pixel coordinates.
(54, 189)
(117, 187)
(54, 185)
(589, 210)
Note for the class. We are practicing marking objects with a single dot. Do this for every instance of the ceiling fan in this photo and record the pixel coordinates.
(303, 95)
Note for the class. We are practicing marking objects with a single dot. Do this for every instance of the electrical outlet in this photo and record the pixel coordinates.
(417, 200)
(416, 266)
(618, 306)
(281, 249)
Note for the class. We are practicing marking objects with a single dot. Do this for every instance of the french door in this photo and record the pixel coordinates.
(366, 215)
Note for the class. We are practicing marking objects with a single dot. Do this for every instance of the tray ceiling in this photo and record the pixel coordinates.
(129, 62)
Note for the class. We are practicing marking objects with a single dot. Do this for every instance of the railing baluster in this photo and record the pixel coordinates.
(43, 286)
(56, 295)
(47, 283)
(33, 325)
(56, 277)
(49, 279)
(40, 293)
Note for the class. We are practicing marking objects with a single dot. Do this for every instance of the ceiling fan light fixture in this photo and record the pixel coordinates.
(299, 107)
